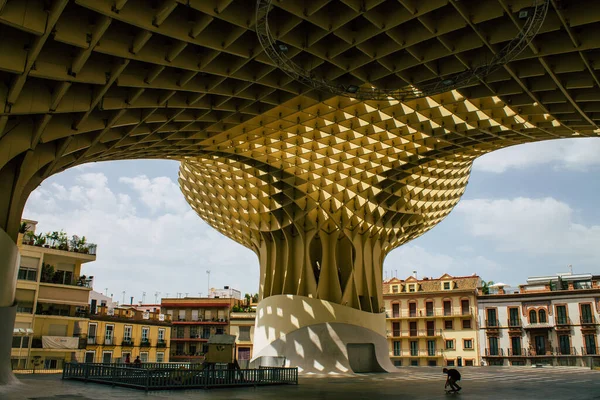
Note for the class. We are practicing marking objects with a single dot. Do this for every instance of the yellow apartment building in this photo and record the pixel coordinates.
(113, 335)
(242, 326)
(432, 322)
(52, 299)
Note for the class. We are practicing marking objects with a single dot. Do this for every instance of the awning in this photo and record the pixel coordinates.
(60, 342)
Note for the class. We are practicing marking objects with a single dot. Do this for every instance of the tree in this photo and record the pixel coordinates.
(255, 298)
(485, 289)
(248, 298)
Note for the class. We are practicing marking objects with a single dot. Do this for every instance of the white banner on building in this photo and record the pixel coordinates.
(60, 342)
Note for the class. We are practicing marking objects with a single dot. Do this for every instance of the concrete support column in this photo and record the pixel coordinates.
(319, 336)
(9, 257)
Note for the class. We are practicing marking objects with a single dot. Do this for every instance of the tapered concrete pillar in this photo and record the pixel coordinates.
(9, 256)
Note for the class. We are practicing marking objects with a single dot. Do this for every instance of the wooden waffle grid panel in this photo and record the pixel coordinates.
(323, 194)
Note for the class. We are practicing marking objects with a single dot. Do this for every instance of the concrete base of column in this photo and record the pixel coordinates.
(319, 337)
(7, 316)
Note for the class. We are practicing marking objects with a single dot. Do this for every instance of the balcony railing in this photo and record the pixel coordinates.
(145, 343)
(161, 343)
(563, 321)
(418, 333)
(516, 352)
(514, 323)
(492, 323)
(589, 351)
(437, 312)
(494, 352)
(565, 351)
(588, 320)
(424, 353)
(127, 342)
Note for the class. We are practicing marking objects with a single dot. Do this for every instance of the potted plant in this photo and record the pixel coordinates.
(29, 238)
(63, 241)
(74, 243)
(39, 240)
(53, 239)
(47, 273)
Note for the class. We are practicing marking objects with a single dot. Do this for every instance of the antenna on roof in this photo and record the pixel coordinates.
(570, 268)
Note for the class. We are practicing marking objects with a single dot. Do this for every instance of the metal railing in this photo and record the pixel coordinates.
(181, 378)
(436, 312)
(565, 351)
(514, 323)
(588, 320)
(494, 352)
(492, 323)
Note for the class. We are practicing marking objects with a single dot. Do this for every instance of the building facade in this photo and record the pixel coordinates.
(195, 320)
(242, 326)
(114, 335)
(52, 299)
(432, 322)
(552, 320)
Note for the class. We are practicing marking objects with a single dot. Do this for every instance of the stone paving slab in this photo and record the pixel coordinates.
(408, 383)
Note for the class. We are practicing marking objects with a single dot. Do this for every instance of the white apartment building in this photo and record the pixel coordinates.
(552, 320)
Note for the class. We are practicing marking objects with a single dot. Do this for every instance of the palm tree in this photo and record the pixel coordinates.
(485, 289)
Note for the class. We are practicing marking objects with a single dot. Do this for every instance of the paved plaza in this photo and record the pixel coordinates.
(408, 383)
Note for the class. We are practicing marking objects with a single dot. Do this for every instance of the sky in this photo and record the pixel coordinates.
(528, 210)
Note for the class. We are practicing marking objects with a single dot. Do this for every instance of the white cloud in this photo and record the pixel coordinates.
(148, 238)
(533, 226)
(578, 154)
(405, 259)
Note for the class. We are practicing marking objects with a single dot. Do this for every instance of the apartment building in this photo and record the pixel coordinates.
(195, 320)
(552, 320)
(242, 327)
(52, 298)
(124, 331)
(432, 322)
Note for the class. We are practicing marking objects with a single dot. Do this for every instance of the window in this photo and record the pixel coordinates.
(532, 317)
(429, 308)
(160, 357)
(244, 333)
(161, 334)
(92, 329)
(466, 324)
(127, 333)
(564, 342)
(590, 344)
(414, 363)
(397, 363)
(194, 315)
(89, 356)
(447, 307)
(396, 329)
(450, 363)
(465, 307)
(412, 328)
(414, 348)
(107, 357)
(449, 344)
(145, 333)
(431, 363)
(395, 310)
(561, 315)
(51, 363)
(16, 342)
(397, 350)
(586, 314)
(412, 309)
(411, 287)
(492, 320)
(513, 317)
(493, 349)
(179, 332)
(108, 335)
(244, 353)
(25, 307)
(194, 332)
(220, 331)
(205, 332)
(431, 348)
(468, 344)
(542, 316)
(430, 328)
(144, 356)
(394, 288)
(516, 345)
(448, 324)
(181, 315)
(468, 363)
(124, 355)
(27, 274)
(446, 285)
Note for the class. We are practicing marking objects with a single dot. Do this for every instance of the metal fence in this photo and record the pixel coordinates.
(147, 378)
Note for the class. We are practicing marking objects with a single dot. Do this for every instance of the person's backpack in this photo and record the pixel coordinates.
(457, 375)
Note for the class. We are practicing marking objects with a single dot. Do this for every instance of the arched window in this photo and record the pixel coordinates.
(542, 316)
(532, 317)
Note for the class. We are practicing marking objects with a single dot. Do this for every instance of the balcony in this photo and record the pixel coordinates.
(493, 352)
(588, 321)
(63, 294)
(565, 351)
(419, 333)
(424, 353)
(492, 324)
(129, 315)
(431, 313)
(200, 321)
(161, 344)
(127, 342)
(145, 343)
(516, 352)
(563, 323)
(548, 351)
(61, 310)
(537, 325)
(589, 351)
